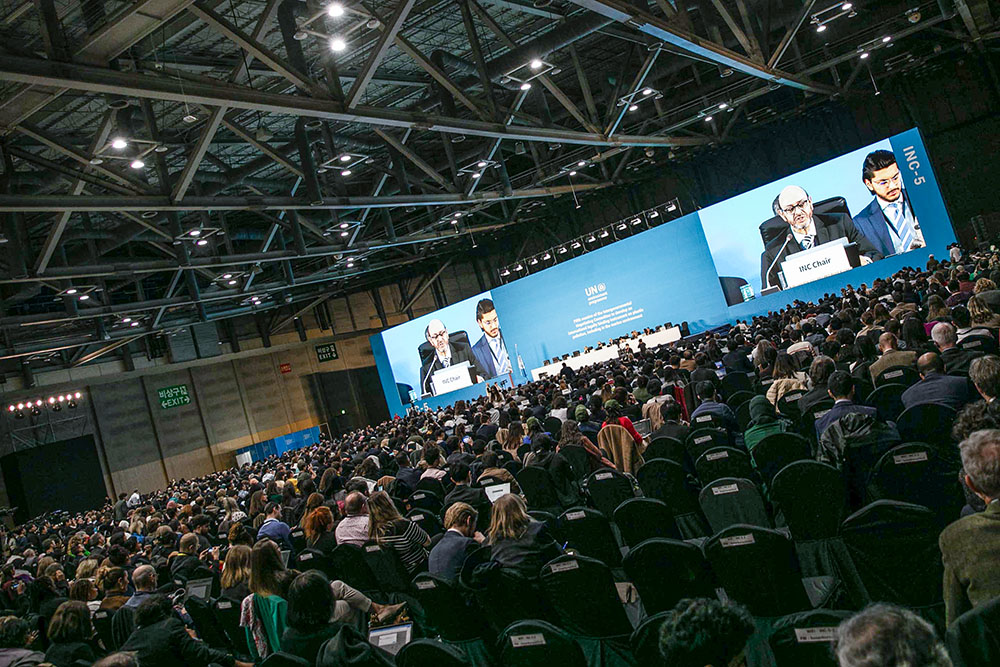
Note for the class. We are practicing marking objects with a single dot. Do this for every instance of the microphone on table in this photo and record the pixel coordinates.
(776, 258)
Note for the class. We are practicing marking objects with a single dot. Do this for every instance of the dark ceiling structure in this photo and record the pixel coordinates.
(169, 162)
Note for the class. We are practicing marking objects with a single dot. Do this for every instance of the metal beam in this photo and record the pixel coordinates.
(695, 46)
(439, 75)
(423, 287)
(420, 163)
(194, 160)
(110, 347)
(737, 31)
(640, 77)
(262, 146)
(793, 29)
(389, 31)
(103, 80)
(298, 313)
(255, 48)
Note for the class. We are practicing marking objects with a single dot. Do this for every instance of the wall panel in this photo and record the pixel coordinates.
(222, 410)
(127, 434)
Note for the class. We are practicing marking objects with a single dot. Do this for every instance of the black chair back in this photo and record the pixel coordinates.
(807, 421)
(640, 519)
(701, 440)
(743, 415)
(387, 568)
(888, 400)
(589, 532)
(281, 659)
(607, 489)
(314, 559)
(298, 539)
(812, 498)
(538, 488)
(759, 568)
(734, 382)
(720, 462)
(102, 626)
(732, 500)
(425, 500)
(665, 448)
(536, 643)
(903, 375)
(645, 640)
(206, 624)
(806, 639)
(918, 473)
(422, 652)
(430, 523)
(227, 615)
(583, 595)
(707, 420)
(445, 609)
(578, 460)
(349, 562)
(690, 575)
(788, 404)
(739, 398)
(776, 451)
(666, 480)
(926, 422)
(973, 640)
(553, 426)
(979, 344)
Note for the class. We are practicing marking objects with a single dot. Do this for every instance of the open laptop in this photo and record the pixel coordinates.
(642, 427)
(496, 491)
(285, 553)
(198, 589)
(391, 638)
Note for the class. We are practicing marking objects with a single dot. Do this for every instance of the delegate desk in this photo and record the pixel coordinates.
(605, 353)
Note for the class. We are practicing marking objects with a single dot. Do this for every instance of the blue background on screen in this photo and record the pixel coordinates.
(669, 272)
(731, 226)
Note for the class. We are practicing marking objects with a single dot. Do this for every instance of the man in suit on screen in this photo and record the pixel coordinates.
(490, 349)
(805, 230)
(888, 221)
(445, 353)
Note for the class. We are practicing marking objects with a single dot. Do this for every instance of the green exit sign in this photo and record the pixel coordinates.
(326, 352)
(173, 397)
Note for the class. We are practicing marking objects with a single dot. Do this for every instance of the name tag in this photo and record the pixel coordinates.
(419, 496)
(603, 475)
(793, 397)
(426, 585)
(371, 548)
(573, 516)
(224, 604)
(703, 439)
(565, 567)
(901, 459)
(534, 639)
(724, 489)
(703, 418)
(716, 455)
(820, 414)
(100, 614)
(812, 635)
(737, 540)
(417, 517)
(893, 374)
(305, 556)
(973, 343)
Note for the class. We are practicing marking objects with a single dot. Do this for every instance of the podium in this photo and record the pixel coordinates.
(820, 261)
(456, 376)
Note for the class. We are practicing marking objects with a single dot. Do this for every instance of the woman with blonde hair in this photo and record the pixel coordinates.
(786, 378)
(514, 438)
(387, 527)
(981, 314)
(519, 543)
(235, 580)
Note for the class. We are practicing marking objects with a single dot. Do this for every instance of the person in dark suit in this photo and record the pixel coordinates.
(491, 349)
(888, 222)
(969, 546)
(160, 639)
(738, 358)
(820, 370)
(672, 426)
(464, 492)
(460, 539)
(807, 229)
(956, 360)
(705, 372)
(935, 386)
(445, 353)
(840, 386)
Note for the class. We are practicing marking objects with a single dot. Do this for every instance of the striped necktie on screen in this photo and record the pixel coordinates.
(903, 229)
(807, 242)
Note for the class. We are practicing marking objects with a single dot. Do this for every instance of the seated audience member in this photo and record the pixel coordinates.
(14, 642)
(840, 387)
(459, 540)
(672, 426)
(311, 610)
(571, 436)
(820, 370)
(185, 561)
(69, 635)
(705, 372)
(120, 659)
(892, 356)
(543, 455)
(389, 529)
(144, 582)
(887, 636)
(275, 529)
(161, 640)
(614, 415)
(956, 360)
(985, 375)
(520, 544)
(785, 378)
(235, 580)
(703, 632)
(464, 492)
(935, 386)
(114, 584)
(737, 360)
(764, 421)
(433, 463)
(353, 529)
(970, 547)
(319, 530)
(709, 405)
(963, 324)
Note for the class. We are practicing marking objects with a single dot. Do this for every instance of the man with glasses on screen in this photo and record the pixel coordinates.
(445, 353)
(490, 349)
(807, 229)
(889, 221)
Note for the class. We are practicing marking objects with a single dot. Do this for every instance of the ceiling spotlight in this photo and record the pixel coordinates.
(345, 158)
(96, 160)
(654, 214)
(647, 91)
(622, 227)
(547, 256)
(536, 64)
(350, 265)
(562, 250)
(227, 276)
(476, 174)
(346, 172)
(821, 27)
(84, 297)
(572, 173)
(581, 163)
(126, 320)
(575, 244)
(481, 164)
(231, 282)
(77, 395)
(864, 54)
(887, 39)
(334, 10)
(201, 242)
(190, 118)
(119, 143)
(525, 86)
(137, 164)
(671, 207)
(633, 107)
(454, 222)
(591, 239)
(519, 267)
(636, 221)
(20, 406)
(337, 44)
(71, 290)
(723, 105)
(134, 324)
(846, 6)
(344, 234)
(708, 119)
(458, 214)
(534, 260)
(160, 148)
(195, 232)
(603, 234)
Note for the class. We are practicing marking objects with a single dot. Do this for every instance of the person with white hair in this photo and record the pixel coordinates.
(885, 635)
(807, 229)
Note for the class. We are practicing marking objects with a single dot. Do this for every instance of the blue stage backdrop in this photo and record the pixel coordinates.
(670, 273)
